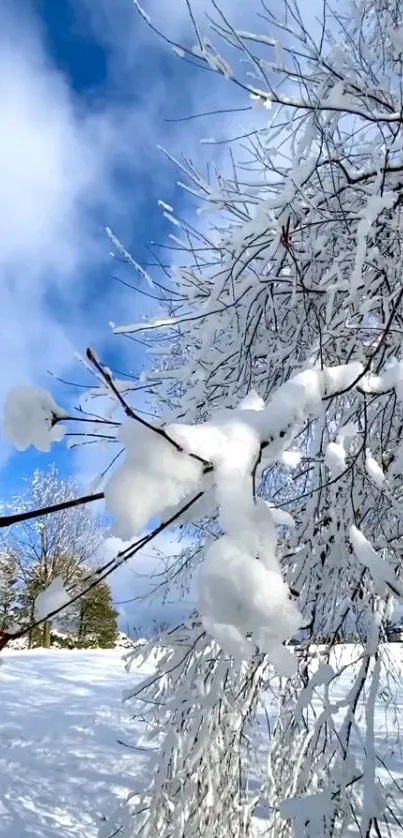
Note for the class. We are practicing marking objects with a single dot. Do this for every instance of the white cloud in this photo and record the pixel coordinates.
(58, 164)
(175, 21)
(46, 168)
(57, 189)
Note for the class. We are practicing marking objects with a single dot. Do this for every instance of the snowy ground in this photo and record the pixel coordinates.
(62, 766)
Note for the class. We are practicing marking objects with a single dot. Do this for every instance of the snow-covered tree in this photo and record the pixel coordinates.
(280, 436)
(8, 589)
(52, 547)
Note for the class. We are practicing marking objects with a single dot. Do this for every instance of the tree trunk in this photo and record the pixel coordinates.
(46, 634)
(81, 619)
(31, 620)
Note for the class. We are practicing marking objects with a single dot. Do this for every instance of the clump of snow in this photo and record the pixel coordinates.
(393, 377)
(303, 393)
(230, 639)
(229, 438)
(291, 458)
(29, 418)
(335, 458)
(371, 383)
(373, 468)
(381, 572)
(346, 435)
(232, 434)
(251, 402)
(390, 378)
(341, 377)
(243, 599)
(301, 396)
(53, 597)
(251, 526)
(281, 517)
(311, 809)
(290, 405)
(204, 506)
(154, 477)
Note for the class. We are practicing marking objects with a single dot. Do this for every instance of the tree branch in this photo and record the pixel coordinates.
(131, 413)
(9, 520)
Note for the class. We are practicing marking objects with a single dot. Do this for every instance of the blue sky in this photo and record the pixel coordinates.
(85, 91)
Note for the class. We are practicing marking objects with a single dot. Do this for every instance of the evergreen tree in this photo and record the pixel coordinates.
(97, 618)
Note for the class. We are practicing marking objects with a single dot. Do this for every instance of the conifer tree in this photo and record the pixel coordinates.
(97, 618)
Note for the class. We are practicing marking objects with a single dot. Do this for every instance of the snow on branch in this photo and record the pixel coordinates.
(244, 600)
(167, 471)
(154, 477)
(31, 417)
(380, 570)
(294, 290)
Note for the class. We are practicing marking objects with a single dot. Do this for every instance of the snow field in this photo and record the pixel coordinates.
(63, 766)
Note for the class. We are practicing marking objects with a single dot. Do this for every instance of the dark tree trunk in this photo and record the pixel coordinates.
(46, 634)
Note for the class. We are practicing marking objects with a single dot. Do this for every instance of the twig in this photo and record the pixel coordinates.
(9, 520)
(130, 412)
